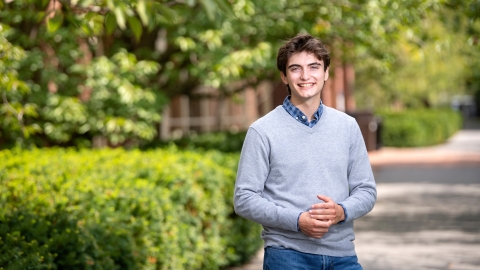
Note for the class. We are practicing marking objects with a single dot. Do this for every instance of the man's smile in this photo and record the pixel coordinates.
(306, 84)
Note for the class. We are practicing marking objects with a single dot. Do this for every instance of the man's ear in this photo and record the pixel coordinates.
(284, 78)
(326, 74)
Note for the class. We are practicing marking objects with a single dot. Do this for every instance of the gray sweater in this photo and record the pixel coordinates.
(285, 164)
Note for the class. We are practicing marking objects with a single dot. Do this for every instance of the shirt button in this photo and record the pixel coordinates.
(296, 118)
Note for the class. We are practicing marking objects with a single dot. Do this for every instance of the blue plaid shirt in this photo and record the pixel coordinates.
(299, 115)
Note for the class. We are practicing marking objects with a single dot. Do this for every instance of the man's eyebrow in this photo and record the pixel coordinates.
(311, 64)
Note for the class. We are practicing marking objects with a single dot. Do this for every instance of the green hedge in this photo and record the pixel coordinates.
(118, 209)
(226, 142)
(414, 128)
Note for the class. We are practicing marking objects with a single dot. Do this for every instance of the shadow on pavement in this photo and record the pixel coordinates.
(471, 124)
(439, 174)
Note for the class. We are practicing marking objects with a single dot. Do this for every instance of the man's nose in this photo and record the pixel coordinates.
(305, 75)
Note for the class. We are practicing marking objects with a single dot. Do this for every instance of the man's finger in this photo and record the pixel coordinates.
(321, 210)
(322, 217)
(324, 198)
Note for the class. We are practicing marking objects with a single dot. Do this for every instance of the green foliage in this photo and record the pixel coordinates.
(110, 97)
(120, 82)
(472, 29)
(427, 69)
(226, 142)
(421, 127)
(13, 109)
(117, 209)
(18, 253)
(225, 45)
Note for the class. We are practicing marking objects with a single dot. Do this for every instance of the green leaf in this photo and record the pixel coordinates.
(167, 13)
(120, 16)
(90, 15)
(54, 23)
(110, 23)
(142, 12)
(209, 6)
(44, 3)
(226, 7)
(86, 30)
(136, 27)
(40, 16)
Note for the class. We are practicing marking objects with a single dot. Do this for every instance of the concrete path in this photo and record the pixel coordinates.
(461, 148)
(427, 214)
(421, 226)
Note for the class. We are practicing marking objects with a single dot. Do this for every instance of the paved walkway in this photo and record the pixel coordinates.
(421, 224)
(463, 147)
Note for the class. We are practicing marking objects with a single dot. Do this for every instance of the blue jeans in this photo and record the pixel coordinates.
(278, 258)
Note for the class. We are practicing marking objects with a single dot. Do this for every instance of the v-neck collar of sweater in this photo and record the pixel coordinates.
(293, 121)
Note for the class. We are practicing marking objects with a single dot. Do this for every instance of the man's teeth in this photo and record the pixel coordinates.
(305, 84)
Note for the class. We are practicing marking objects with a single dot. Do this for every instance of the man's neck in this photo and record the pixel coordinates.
(308, 107)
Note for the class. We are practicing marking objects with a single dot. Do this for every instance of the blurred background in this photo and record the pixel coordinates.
(121, 124)
(129, 73)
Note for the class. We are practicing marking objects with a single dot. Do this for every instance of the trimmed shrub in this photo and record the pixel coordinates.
(118, 209)
(226, 142)
(415, 128)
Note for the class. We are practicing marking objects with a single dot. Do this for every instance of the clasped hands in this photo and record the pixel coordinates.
(320, 217)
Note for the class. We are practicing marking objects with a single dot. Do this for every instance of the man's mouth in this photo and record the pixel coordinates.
(306, 84)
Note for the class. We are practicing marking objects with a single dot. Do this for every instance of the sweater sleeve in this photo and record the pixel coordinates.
(362, 188)
(253, 170)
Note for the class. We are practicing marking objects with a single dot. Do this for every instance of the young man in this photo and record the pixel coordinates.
(304, 172)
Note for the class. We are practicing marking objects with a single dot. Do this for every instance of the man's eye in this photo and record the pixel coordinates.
(315, 67)
(294, 68)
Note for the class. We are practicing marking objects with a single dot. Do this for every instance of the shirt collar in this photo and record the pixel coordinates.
(299, 115)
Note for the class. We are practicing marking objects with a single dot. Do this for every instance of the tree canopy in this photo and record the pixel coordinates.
(77, 70)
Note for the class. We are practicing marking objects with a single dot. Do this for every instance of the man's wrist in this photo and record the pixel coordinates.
(298, 222)
(343, 217)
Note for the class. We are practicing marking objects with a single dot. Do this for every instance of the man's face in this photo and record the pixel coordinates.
(306, 76)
